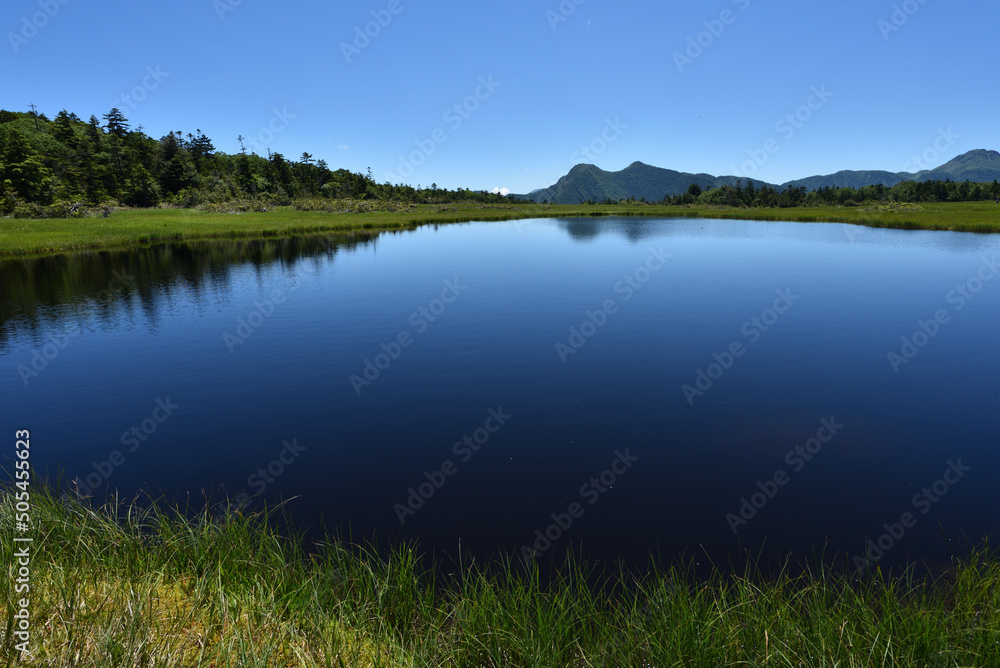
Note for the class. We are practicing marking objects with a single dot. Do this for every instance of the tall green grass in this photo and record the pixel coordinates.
(129, 584)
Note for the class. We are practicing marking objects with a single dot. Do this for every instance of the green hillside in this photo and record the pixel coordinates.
(979, 166)
(851, 179)
(640, 181)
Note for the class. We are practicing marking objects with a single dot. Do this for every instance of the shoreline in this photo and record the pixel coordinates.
(129, 583)
(27, 237)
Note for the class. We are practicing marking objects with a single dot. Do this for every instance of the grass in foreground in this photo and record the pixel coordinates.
(123, 586)
(142, 226)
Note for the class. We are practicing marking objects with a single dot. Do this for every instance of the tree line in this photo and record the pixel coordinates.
(750, 196)
(63, 165)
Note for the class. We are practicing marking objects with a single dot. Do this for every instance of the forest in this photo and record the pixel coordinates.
(908, 191)
(68, 167)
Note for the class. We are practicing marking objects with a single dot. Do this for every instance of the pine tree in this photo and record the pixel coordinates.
(21, 169)
(117, 124)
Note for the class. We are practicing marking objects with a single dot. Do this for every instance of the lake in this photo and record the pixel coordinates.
(621, 386)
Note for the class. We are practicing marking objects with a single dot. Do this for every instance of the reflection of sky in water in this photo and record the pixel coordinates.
(859, 290)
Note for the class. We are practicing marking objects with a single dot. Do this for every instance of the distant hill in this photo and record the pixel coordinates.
(851, 179)
(639, 180)
(979, 166)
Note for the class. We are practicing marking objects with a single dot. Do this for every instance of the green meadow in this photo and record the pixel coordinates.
(122, 228)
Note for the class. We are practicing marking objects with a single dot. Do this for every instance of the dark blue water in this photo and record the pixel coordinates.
(623, 385)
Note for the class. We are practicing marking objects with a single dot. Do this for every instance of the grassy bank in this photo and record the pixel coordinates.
(120, 586)
(142, 226)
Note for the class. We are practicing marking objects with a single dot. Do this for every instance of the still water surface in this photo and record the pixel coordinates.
(650, 385)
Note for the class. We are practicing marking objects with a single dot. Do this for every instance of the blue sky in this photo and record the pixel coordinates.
(699, 87)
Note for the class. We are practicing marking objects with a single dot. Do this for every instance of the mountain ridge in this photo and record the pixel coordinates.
(639, 180)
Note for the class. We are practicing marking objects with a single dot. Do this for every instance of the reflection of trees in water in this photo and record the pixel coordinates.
(582, 229)
(633, 228)
(54, 292)
(637, 228)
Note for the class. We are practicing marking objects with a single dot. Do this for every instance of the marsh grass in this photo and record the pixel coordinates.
(141, 584)
(26, 237)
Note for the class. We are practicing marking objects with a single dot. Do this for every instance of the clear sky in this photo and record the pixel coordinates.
(692, 86)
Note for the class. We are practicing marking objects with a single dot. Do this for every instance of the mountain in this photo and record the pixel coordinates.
(851, 179)
(639, 180)
(978, 166)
